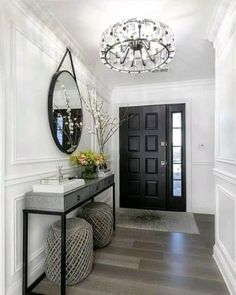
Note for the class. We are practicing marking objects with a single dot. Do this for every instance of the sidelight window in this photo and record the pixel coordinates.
(177, 154)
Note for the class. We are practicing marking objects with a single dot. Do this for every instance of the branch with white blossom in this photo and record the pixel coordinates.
(105, 126)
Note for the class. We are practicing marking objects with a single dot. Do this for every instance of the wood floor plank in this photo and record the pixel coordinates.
(179, 248)
(142, 235)
(185, 269)
(119, 242)
(168, 280)
(117, 260)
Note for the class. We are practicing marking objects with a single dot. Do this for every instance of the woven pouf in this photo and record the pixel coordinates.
(79, 251)
(100, 216)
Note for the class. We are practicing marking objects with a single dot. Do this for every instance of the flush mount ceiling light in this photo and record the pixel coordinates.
(137, 46)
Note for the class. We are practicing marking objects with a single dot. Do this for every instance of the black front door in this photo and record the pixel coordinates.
(143, 157)
(152, 157)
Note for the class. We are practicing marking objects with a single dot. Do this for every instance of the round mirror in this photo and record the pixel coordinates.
(65, 111)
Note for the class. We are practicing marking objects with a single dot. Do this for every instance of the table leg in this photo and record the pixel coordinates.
(114, 206)
(25, 252)
(63, 254)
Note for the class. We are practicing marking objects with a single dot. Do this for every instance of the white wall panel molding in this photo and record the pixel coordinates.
(226, 236)
(228, 195)
(225, 160)
(21, 161)
(34, 258)
(32, 177)
(35, 272)
(229, 177)
(224, 249)
(14, 29)
(18, 207)
(15, 159)
(218, 140)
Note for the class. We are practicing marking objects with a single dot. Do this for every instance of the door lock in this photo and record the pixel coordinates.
(163, 163)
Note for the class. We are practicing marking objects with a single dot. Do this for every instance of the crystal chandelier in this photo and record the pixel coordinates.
(137, 46)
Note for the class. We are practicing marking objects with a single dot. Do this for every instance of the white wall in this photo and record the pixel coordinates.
(199, 98)
(2, 160)
(32, 54)
(223, 34)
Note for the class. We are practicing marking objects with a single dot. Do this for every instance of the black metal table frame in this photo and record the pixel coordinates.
(26, 290)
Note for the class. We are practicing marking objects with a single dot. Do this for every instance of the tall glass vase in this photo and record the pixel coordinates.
(102, 166)
(89, 172)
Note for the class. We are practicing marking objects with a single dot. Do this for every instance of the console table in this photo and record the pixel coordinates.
(61, 205)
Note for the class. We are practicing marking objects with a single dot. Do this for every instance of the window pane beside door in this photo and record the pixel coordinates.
(176, 120)
(177, 154)
(176, 134)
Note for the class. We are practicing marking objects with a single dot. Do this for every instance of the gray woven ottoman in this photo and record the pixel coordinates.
(100, 216)
(79, 251)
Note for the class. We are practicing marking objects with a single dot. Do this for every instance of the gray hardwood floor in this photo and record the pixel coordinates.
(142, 262)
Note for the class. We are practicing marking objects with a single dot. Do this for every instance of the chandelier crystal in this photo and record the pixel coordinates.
(137, 46)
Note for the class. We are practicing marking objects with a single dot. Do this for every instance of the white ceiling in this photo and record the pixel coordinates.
(85, 20)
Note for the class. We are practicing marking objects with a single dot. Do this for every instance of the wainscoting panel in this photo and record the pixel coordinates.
(226, 205)
(32, 138)
(225, 223)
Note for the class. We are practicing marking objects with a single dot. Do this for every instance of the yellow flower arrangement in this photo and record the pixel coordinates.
(87, 158)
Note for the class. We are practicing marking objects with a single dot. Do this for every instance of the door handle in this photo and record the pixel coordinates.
(163, 163)
(163, 143)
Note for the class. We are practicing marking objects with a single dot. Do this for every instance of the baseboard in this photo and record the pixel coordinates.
(226, 270)
(203, 211)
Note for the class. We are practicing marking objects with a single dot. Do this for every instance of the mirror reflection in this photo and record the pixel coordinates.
(66, 112)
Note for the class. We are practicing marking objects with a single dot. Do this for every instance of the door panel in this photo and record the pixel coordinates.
(142, 176)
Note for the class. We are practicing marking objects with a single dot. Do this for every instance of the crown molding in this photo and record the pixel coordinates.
(35, 11)
(164, 85)
(216, 19)
(222, 24)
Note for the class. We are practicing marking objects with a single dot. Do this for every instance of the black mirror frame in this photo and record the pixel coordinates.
(50, 101)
